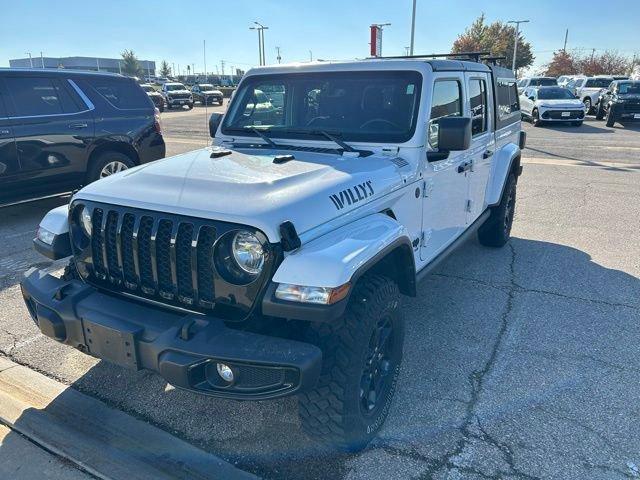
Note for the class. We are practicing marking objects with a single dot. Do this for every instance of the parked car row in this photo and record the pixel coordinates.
(176, 94)
(571, 98)
(62, 129)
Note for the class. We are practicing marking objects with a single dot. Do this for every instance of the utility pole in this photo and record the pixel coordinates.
(407, 51)
(222, 67)
(173, 69)
(179, 72)
(42, 59)
(98, 63)
(206, 113)
(30, 59)
(310, 56)
(279, 58)
(515, 43)
(413, 27)
(593, 52)
(566, 37)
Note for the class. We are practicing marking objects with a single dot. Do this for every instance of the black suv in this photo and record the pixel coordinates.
(620, 102)
(61, 129)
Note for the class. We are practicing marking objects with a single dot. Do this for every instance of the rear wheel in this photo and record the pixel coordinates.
(107, 164)
(361, 362)
(587, 106)
(599, 112)
(496, 231)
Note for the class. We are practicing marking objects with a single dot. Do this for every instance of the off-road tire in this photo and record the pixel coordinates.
(161, 107)
(599, 112)
(190, 105)
(496, 231)
(332, 412)
(611, 117)
(535, 118)
(93, 173)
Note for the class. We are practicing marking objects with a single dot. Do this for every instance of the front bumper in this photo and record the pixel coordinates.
(556, 115)
(183, 348)
(179, 101)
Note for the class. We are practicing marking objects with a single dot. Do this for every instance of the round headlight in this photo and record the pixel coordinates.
(85, 221)
(248, 252)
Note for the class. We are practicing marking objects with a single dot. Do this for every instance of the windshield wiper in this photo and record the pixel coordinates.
(337, 141)
(330, 136)
(261, 134)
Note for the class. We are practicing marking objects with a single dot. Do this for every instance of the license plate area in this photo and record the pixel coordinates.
(114, 342)
(566, 114)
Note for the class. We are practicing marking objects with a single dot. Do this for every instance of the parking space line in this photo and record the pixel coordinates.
(581, 163)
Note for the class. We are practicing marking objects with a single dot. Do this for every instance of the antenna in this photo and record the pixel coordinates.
(206, 114)
(473, 56)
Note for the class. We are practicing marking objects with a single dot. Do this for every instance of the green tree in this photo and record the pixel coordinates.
(165, 71)
(130, 64)
(497, 38)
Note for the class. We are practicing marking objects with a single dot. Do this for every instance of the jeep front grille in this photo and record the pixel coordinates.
(164, 257)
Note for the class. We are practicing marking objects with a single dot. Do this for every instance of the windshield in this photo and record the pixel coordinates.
(555, 94)
(598, 83)
(629, 88)
(357, 106)
(543, 82)
(206, 88)
(174, 86)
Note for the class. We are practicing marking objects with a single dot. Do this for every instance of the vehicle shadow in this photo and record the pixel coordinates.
(585, 128)
(479, 309)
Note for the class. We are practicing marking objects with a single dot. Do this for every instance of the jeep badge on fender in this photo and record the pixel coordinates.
(277, 267)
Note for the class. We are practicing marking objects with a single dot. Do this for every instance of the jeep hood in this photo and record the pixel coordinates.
(250, 189)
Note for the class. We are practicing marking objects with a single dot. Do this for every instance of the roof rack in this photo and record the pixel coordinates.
(472, 56)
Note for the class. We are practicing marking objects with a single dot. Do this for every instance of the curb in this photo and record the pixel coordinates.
(103, 441)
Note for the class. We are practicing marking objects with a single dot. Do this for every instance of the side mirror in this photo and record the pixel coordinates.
(214, 123)
(454, 134)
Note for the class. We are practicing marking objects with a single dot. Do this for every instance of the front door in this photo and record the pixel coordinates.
(53, 129)
(482, 141)
(9, 165)
(446, 184)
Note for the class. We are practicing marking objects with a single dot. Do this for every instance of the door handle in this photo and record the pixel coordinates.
(464, 167)
(78, 126)
(487, 154)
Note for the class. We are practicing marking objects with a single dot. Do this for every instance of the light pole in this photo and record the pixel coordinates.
(30, 59)
(260, 28)
(41, 59)
(515, 44)
(279, 58)
(413, 27)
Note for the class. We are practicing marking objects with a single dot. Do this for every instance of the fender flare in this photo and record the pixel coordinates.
(507, 160)
(373, 243)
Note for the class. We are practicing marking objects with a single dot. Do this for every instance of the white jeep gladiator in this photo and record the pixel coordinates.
(273, 262)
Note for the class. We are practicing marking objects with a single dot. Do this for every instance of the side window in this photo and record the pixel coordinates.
(119, 92)
(479, 111)
(445, 102)
(34, 96)
(508, 102)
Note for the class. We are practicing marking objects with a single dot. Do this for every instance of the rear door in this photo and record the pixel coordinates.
(9, 165)
(481, 153)
(53, 131)
(446, 184)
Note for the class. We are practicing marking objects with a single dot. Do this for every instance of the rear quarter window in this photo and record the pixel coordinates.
(122, 93)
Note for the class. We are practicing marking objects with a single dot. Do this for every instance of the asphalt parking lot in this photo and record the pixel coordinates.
(520, 363)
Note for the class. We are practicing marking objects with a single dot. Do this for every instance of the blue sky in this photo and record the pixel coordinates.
(332, 29)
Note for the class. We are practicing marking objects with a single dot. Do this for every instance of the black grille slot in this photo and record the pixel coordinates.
(205, 265)
(97, 242)
(183, 263)
(110, 245)
(163, 259)
(128, 263)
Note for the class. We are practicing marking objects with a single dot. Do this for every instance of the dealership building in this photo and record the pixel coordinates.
(81, 63)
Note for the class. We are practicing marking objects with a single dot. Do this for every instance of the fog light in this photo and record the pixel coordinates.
(225, 372)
